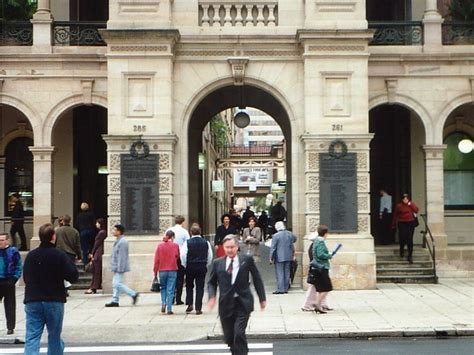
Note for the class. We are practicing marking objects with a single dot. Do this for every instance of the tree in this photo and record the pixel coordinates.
(18, 10)
(462, 10)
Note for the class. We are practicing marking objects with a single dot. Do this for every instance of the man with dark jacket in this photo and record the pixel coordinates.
(196, 255)
(232, 274)
(17, 221)
(44, 273)
(10, 272)
(67, 239)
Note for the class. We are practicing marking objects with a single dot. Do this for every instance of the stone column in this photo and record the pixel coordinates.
(2, 190)
(432, 21)
(42, 27)
(42, 188)
(435, 193)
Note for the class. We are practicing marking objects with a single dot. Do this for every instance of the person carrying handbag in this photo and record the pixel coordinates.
(405, 219)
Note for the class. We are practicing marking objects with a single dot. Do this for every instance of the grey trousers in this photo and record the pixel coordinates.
(282, 271)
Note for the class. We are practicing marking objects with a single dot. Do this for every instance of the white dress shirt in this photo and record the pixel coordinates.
(184, 252)
(385, 203)
(235, 267)
(181, 235)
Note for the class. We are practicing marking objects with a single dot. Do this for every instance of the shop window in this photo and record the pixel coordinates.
(19, 174)
(459, 172)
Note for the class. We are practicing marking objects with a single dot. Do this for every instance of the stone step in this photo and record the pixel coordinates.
(422, 279)
(407, 272)
(404, 264)
(388, 252)
(387, 258)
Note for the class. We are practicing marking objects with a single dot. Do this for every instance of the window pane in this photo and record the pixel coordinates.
(459, 188)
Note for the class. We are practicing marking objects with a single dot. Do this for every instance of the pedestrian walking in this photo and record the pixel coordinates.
(96, 256)
(44, 273)
(222, 231)
(282, 253)
(385, 235)
(263, 224)
(10, 272)
(232, 275)
(67, 239)
(278, 212)
(181, 236)
(166, 263)
(17, 222)
(405, 215)
(119, 265)
(85, 223)
(196, 255)
(322, 256)
(252, 236)
(246, 217)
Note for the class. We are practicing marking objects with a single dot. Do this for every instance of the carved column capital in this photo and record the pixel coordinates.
(434, 152)
(391, 85)
(238, 66)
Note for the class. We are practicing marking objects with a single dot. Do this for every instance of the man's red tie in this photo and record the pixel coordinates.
(231, 267)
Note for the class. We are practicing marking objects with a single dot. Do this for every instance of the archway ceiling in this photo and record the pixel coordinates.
(230, 96)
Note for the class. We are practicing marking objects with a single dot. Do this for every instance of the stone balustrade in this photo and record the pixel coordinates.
(234, 13)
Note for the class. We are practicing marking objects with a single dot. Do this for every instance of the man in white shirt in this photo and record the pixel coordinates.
(385, 235)
(196, 256)
(181, 236)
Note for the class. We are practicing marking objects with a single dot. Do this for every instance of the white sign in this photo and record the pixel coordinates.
(252, 177)
(217, 185)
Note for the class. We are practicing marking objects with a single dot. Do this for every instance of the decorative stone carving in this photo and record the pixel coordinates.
(362, 183)
(391, 85)
(114, 162)
(114, 206)
(139, 95)
(165, 184)
(114, 184)
(165, 205)
(313, 183)
(313, 204)
(339, 48)
(337, 97)
(165, 223)
(362, 161)
(363, 223)
(165, 161)
(87, 85)
(238, 66)
(204, 53)
(113, 222)
(336, 6)
(139, 48)
(363, 203)
(313, 161)
(312, 223)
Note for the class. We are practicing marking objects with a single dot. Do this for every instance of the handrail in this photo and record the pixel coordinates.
(432, 248)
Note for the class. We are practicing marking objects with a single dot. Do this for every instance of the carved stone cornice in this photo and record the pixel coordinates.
(238, 66)
(434, 152)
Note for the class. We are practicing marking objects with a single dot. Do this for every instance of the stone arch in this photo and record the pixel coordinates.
(63, 106)
(410, 104)
(444, 115)
(31, 114)
(18, 133)
(212, 86)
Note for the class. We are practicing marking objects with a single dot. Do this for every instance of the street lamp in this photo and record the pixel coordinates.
(242, 119)
(465, 146)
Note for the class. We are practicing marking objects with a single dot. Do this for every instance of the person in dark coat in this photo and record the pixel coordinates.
(232, 274)
(246, 216)
(224, 229)
(85, 224)
(96, 256)
(263, 224)
(17, 221)
(44, 273)
(278, 212)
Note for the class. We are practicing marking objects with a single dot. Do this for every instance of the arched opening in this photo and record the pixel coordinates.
(16, 168)
(458, 136)
(396, 165)
(80, 161)
(220, 101)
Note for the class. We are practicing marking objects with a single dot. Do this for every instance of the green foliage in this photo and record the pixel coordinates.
(462, 10)
(18, 10)
(219, 132)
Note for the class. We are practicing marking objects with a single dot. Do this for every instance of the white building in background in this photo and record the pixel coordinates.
(262, 130)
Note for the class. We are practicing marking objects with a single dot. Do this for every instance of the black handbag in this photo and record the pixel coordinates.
(155, 285)
(416, 223)
(89, 267)
(312, 275)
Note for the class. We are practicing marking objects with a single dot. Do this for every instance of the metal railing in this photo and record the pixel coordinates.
(393, 33)
(429, 243)
(247, 151)
(458, 33)
(16, 33)
(78, 33)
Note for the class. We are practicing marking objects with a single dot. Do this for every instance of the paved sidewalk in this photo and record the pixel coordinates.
(391, 310)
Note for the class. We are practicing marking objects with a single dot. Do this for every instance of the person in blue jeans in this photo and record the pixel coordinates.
(119, 265)
(44, 273)
(166, 263)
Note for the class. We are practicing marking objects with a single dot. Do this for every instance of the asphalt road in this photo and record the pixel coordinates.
(392, 346)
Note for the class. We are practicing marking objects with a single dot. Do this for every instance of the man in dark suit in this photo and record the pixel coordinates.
(232, 274)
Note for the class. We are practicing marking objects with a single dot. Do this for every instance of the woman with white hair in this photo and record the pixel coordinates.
(282, 252)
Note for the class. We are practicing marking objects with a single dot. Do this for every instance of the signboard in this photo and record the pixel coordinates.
(218, 186)
(253, 176)
(338, 192)
(139, 194)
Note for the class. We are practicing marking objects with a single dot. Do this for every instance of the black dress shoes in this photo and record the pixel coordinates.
(410, 260)
(278, 293)
(10, 331)
(189, 309)
(179, 303)
(112, 304)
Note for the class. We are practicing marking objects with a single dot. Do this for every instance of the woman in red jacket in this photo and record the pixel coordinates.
(405, 214)
(166, 263)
